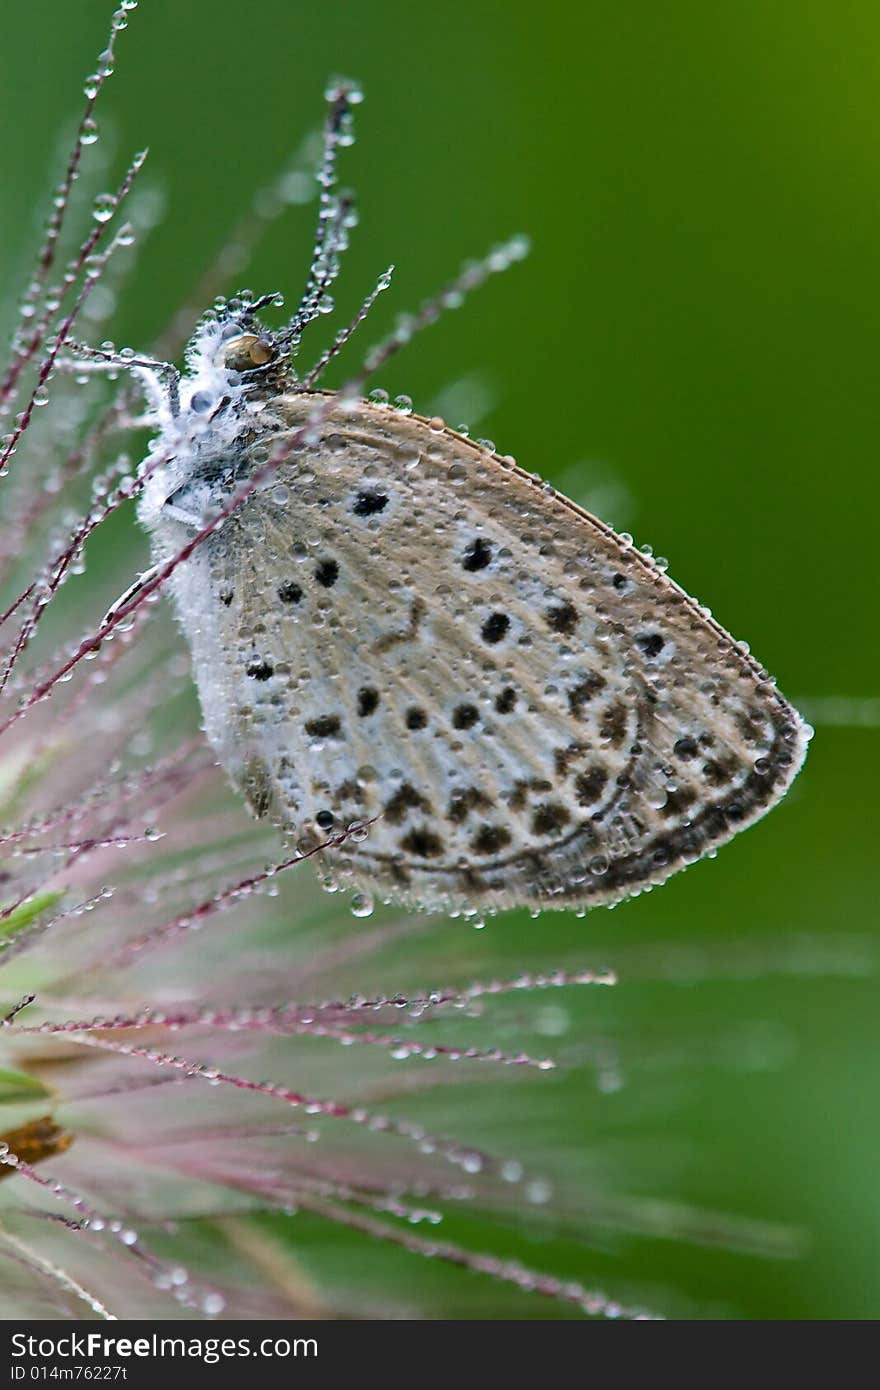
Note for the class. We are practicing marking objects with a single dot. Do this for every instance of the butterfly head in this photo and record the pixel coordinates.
(247, 352)
(232, 341)
(234, 362)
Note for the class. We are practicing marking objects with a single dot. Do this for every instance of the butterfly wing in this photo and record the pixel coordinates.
(412, 631)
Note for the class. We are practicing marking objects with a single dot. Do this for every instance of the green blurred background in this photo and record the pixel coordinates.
(691, 349)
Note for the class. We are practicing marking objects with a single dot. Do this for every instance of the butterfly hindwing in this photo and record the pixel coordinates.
(411, 631)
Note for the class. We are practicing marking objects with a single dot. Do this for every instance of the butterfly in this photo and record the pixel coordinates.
(471, 692)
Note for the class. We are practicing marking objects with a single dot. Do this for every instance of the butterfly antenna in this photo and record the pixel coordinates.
(335, 215)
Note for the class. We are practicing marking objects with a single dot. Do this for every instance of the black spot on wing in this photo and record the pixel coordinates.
(423, 843)
(612, 725)
(465, 716)
(718, 771)
(368, 503)
(462, 802)
(564, 758)
(549, 817)
(489, 839)
(404, 800)
(584, 691)
(325, 726)
(651, 643)
(589, 785)
(495, 628)
(517, 798)
(477, 556)
(368, 700)
(677, 802)
(350, 791)
(563, 618)
(327, 573)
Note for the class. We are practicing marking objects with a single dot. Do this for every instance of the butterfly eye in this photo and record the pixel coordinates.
(247, 351)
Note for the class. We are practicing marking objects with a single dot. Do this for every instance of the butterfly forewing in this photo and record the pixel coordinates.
(411, 631)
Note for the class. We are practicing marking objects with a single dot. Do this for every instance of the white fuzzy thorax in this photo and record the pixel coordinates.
(216, 409)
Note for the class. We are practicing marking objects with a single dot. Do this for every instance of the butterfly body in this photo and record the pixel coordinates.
(400, 627)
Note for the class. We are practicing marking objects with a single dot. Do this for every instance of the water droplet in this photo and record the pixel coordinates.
(104, 207)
